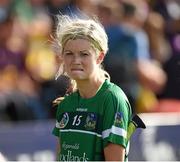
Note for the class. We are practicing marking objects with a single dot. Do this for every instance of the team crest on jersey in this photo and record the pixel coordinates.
(118, 118)
(91, 121)
(64, 120)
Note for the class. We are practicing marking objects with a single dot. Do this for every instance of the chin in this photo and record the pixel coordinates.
(78, 77)
(75, 76)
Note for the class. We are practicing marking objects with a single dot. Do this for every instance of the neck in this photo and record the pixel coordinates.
(89, 88)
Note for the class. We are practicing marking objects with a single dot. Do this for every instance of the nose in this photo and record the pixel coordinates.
(76, 59)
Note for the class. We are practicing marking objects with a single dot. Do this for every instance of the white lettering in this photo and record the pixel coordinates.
(68, 146)
(70, 157)
(81, 109)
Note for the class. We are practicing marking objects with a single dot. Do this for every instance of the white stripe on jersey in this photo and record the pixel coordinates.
(80, 131)
(115, 130)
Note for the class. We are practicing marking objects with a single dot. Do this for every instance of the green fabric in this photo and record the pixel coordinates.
(85, 126)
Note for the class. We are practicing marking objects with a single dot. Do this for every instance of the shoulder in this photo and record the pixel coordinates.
(115, 91)
(68, 99)
(116, 100)
(67, 104)
(114, 95)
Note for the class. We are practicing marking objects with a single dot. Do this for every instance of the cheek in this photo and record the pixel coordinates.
(66, 64)
(66, 61)
(92, 65)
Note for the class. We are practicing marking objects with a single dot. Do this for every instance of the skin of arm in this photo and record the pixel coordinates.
(114, 152)
(57, 150)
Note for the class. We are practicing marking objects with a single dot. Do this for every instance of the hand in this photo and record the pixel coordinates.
(57, 101)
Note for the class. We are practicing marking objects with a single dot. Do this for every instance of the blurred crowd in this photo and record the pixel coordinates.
(143, 57)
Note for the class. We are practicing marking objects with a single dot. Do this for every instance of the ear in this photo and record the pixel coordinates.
(100, 58)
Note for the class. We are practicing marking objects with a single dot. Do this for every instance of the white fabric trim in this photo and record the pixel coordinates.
(115, 130)
(80, 131)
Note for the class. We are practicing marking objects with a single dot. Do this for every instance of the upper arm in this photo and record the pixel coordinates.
(114, 152)
(116, 119)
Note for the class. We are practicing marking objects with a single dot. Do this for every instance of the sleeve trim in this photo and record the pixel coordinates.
(114, 130)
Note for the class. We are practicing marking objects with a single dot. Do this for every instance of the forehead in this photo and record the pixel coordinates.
(78, 44)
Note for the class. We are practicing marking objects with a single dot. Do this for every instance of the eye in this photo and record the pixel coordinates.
(84, 54)
(68, 53)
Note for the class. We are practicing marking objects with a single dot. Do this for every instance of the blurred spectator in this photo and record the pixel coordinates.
(143, 53)
(56, 7)
(121, 46)
(155, 27)
(150, 75)
(41, 60)
(84, 7)
(18, 93)
(79, 8)
(169, 10)
(11, 63)
(129, 61)
(26, 10)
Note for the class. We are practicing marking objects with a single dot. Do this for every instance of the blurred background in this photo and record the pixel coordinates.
(143, 59)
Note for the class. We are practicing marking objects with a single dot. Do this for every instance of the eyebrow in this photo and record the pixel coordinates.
(84, 51)
(79, 51)
(67, 51)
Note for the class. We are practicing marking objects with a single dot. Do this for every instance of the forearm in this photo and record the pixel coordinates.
(58, 151)
(114, 152)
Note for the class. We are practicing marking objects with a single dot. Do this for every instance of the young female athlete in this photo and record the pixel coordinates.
(92, 121)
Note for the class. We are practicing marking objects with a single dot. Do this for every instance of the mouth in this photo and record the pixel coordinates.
(76, 69)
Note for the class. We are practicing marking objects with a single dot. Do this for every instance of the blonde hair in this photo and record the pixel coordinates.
(89, 29)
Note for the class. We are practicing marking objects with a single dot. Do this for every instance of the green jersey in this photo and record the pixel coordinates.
(85, 126)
